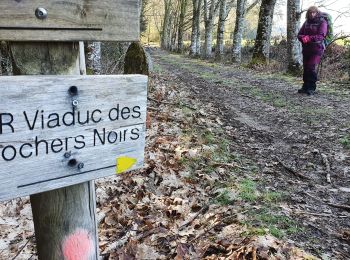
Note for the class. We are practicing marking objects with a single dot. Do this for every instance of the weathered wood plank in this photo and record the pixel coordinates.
(65, 215)
(71, 20)
(47, 143)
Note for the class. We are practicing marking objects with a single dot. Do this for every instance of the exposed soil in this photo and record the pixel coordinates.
(287, 135)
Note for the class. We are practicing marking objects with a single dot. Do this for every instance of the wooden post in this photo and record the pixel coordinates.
(64, 219)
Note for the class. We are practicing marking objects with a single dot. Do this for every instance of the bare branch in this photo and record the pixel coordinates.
(249, 8)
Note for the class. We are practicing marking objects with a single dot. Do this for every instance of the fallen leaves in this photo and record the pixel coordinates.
(169, 209)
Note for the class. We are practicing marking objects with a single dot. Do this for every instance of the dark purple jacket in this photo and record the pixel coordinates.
(317, 30)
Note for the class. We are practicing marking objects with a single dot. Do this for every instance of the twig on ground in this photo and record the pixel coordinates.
(151, 232)
(319, 214)
(22, 248)
(159, 102)
(189, 221)
(188, 106)
(340, 206)
(153, 109)
(233, 165)
(289, 169)
(206, 230)
(328, 167)
(312, 196)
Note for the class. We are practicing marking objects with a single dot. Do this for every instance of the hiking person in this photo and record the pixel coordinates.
(312, 35)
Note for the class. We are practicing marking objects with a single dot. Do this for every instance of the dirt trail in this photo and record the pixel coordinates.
(291, 137)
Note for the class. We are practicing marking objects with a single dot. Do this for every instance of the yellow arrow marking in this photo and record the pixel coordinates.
(124, 164)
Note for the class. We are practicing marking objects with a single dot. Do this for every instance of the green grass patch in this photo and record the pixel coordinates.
(215, 151)
(247, 190)
(158, 69)
(334, 89)
(252, 231)
(277, 225)
(311, 115)
(223, 198)
(345, 141)
(271, 98)
(272, 197)
(208, 138)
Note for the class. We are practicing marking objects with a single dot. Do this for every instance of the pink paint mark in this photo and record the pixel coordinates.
(78, 246)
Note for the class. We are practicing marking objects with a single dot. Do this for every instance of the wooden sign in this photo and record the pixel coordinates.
(71, 20)
(57, 131)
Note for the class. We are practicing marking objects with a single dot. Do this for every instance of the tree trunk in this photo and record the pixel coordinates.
(143, 17)
(293, 45)
(349, 63)
(238, 32)
(209, 14)
(183, 9)
(64, 219)
(261, 50)
(195, 35)
(93, 58)
(219, 51)
(174, 28)
(165, 39)
(5, 60)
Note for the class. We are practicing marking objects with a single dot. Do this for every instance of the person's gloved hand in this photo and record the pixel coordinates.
(306, 39)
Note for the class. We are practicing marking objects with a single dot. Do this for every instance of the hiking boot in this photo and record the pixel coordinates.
(310, 92)
(302, 91)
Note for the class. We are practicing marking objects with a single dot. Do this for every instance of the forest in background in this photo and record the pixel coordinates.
(257, 33)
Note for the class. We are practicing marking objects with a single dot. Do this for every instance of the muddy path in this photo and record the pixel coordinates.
(300, 144)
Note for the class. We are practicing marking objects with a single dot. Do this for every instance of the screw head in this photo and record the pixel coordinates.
(41, 13)
(75, 103)
(80, 166)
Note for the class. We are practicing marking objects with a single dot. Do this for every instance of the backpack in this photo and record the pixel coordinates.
(329, 36)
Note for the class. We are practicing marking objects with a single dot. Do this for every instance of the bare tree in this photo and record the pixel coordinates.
(174, 29)
(143, 18)
(293, 45)
(195, 35)
(237, 34)
(166, 31)
(210, 8)
(181, 28)
(261, 50)
(349, 63)
(93, 58)
(219, 50)
(241, 12)
(5, 60)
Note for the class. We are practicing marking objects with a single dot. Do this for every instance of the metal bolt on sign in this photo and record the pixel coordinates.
(80, 166)
(75, 103)
(41, 13)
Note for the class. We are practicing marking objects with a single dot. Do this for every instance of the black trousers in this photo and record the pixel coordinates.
(310, 63)
(310, 77)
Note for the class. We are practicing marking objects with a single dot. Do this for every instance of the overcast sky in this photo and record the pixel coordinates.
(339, 9)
